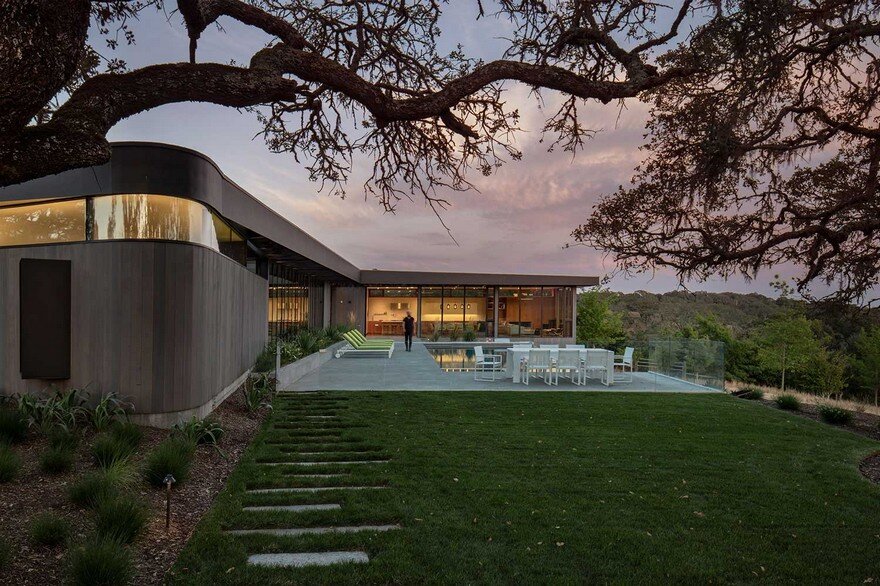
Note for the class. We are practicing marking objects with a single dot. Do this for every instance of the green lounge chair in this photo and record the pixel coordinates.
(356, 348)
(364, 340)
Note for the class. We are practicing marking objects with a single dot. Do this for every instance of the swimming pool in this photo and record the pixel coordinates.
(456, 359)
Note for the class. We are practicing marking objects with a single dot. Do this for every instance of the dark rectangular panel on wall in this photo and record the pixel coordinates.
(44, 290)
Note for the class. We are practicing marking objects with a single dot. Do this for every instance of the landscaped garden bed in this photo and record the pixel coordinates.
(34, 494)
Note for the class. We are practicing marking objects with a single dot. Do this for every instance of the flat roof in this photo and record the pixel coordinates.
(164, 169)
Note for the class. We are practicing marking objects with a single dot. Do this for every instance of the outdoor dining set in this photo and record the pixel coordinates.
(549, 362)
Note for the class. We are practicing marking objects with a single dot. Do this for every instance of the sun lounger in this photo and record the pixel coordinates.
(354, 347)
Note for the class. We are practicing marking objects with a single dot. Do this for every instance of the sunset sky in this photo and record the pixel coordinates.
(518, 222)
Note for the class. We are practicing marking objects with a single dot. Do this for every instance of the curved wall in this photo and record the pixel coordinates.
(166, 325)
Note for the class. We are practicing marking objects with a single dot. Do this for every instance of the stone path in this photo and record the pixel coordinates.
(310, 429)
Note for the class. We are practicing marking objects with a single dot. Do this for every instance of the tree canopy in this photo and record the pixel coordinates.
(741, 93)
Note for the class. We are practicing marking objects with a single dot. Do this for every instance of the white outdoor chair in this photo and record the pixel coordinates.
(538, 362)
(625, 361)
(487, 365)
(550, 346)
(596, 362)
(568, 363)
(576, 346)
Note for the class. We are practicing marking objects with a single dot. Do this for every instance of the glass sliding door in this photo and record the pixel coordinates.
(549, 313)
(475, 311)
(453, 311)
(431, 311)
(386, 308)
(508, 312)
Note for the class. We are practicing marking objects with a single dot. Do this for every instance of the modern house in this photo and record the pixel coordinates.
(157, 277)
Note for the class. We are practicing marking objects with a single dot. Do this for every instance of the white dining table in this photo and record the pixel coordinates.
(517, 353)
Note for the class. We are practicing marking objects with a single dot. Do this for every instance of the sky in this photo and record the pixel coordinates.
(519, 220)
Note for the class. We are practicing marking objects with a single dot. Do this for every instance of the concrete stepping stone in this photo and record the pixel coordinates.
(304, 560)
(310, 489)
(336, 463)
(292, 508)
(297, 531)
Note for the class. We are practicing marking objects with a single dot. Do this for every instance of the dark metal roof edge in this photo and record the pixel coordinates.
(385, 277)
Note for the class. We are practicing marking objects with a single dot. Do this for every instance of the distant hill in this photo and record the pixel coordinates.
(654, 314)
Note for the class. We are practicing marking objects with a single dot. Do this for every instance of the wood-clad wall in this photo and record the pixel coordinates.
(166, 325)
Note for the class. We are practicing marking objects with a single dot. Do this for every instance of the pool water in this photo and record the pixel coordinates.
(455, 359)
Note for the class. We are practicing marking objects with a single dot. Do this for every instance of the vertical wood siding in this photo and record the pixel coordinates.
(166, 325)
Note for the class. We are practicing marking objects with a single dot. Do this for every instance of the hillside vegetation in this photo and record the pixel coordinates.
(828, 350)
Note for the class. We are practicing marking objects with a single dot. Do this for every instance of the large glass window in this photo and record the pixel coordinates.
(159, 217)
(61, 221)
(508, 312)
(386, 308)
(432, 310)
(453, 310)
(288, 301)
(475, 311)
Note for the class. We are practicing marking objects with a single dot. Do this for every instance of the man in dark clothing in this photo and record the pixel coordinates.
(408, 327)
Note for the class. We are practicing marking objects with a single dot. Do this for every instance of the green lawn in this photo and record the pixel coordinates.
(563, 488)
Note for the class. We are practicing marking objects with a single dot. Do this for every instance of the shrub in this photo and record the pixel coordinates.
(48, 529)
(266, 360)
(121, 518)
(96, 486)
(9, 463)
(200, 431)
(172, 456)
(454, 335)
(307, 341)
(56, 460)
(435, 336)
(109, 449)
(788, 402)
(100, 562)
(63, 409)
(109, 410)
(257, 392)
(60, 438)
(127, 433)
(470, 335)
(834, 415)
(751, 393)
(13, 426)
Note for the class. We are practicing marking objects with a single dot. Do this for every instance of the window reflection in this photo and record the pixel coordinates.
(152, 217)
(63, 221)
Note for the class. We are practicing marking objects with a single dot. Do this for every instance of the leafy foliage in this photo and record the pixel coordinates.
(109, 409)
(866, 361)
(172, 456)
(752, 393)
(65, 409)
(48, 529)
(200, 431)
(257, 392)
(597, 323)
(100, 562)
(109, 449)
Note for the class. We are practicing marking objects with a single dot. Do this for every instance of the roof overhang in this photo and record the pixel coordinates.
(379, 277)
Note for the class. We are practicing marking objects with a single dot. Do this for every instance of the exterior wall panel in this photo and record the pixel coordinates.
(166, 325)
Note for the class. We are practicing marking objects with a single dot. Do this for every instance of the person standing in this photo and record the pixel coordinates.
(408, 328)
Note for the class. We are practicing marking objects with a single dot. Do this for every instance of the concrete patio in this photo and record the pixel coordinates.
(418, 371)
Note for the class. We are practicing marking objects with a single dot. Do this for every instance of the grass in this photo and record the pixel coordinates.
(57, 460)
(100, 562)
(566, 488)
(109, 449)
(48, 529)
(120, 518)
(752, 393)
(98, 485)
(10, 462)
(172, 456)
